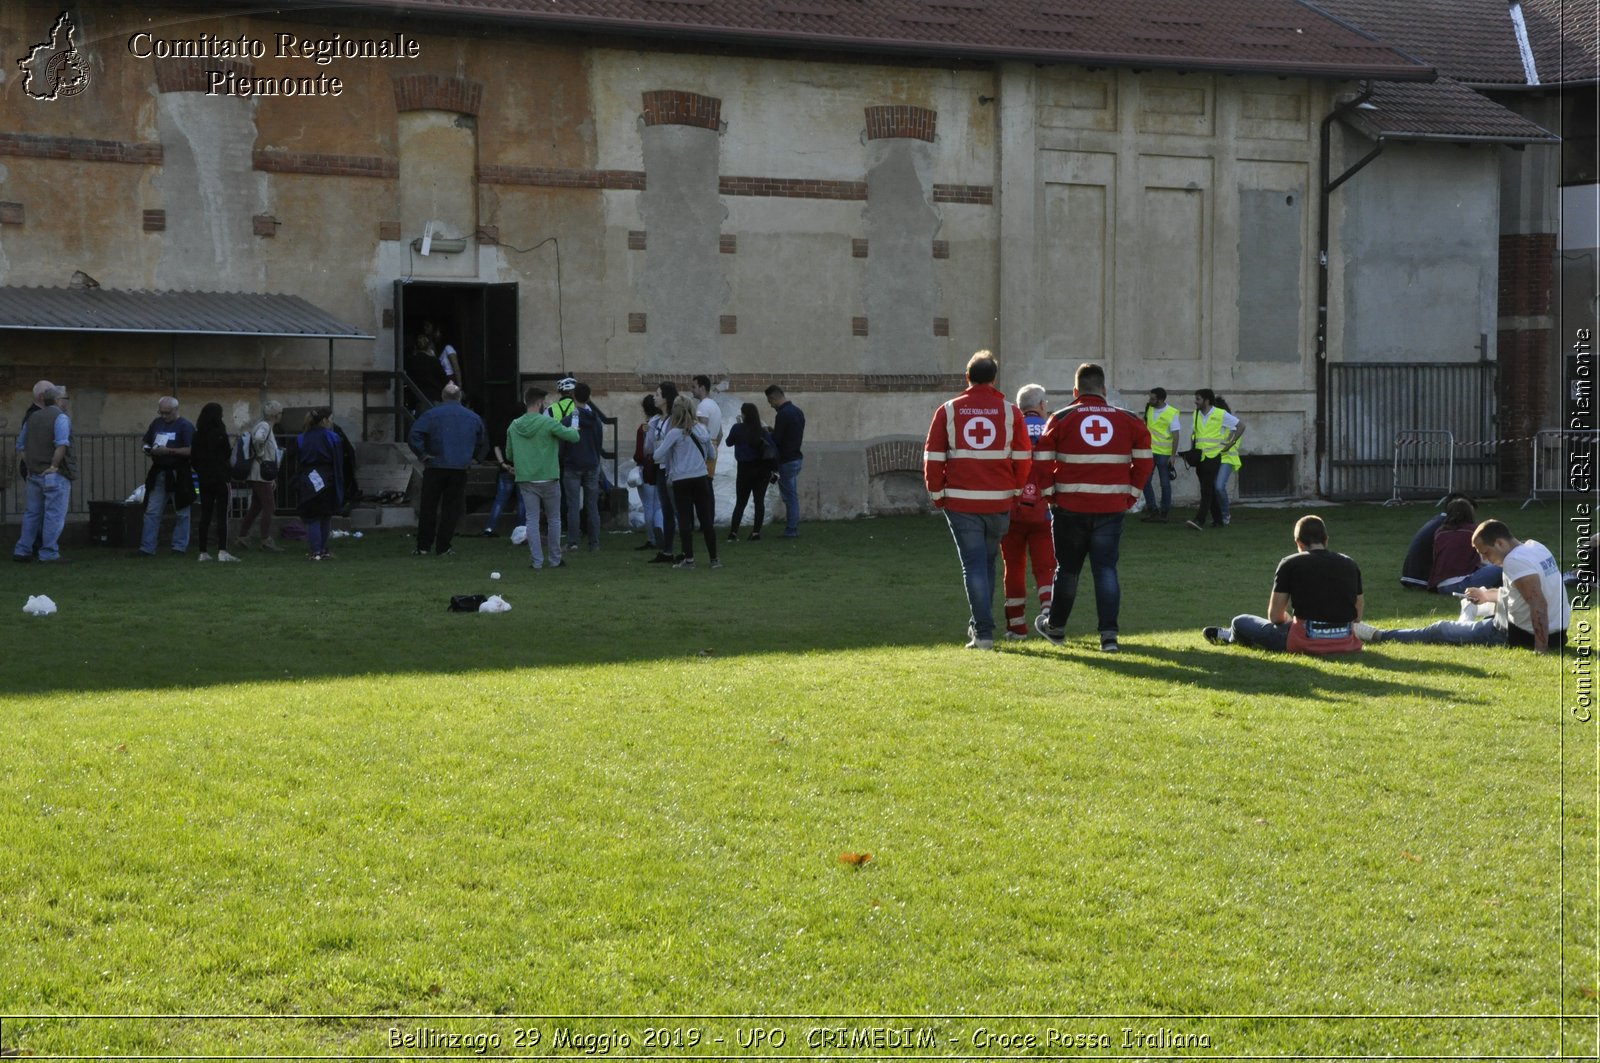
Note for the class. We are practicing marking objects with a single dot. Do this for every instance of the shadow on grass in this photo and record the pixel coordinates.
(376, 611)
(1246, 671)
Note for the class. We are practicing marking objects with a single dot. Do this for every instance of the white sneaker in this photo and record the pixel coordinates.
(1015, 636)
(1365, 632)
(206, 557)
(223, 555)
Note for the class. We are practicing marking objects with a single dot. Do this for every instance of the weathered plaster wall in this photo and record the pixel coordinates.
(1418, 255)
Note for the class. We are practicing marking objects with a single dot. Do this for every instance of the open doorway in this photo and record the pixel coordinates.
(479, 321)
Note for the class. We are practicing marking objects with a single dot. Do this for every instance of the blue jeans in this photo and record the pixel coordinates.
(1449, 633)
(1486, 576)
(48, 495)
(1224, 474)
(545, 496)
(155, 501)
(1160, 474)
(504, 487)
(789, 490)
(588, 480)
(1258, 631)
(977, 537)
(650, 502)
(1098, 537)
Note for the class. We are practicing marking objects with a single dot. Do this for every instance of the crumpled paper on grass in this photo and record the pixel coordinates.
(495, 604)
(39, 605)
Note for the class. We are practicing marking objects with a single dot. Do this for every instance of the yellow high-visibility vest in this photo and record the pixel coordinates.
(1163, 429)
(1209, 435)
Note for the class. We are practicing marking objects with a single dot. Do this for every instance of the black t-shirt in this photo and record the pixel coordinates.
(1322, 585)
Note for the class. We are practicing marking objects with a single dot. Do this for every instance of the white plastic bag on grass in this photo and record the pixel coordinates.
(39, 605)
(495, 604)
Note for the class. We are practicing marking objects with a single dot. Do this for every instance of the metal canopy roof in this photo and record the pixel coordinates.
(169, 313)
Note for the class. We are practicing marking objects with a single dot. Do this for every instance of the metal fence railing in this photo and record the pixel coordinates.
(109, 466)
(1369, 404)
(1558, 457)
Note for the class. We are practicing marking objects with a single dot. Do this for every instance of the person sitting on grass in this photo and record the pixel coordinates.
(1531, 609)
(1456, 564)
(1418, 563)
(1316, 600)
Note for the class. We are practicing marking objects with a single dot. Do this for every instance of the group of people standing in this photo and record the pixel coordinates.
(1214, 453)
(190, 463)
(676, 451)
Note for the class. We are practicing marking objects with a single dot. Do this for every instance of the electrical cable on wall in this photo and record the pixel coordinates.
(561, 330)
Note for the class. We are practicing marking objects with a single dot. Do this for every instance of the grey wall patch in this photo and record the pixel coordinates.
(1270, 248)
(901, 223)
(682, 286)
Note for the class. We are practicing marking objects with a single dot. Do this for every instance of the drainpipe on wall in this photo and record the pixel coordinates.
(1326, 186)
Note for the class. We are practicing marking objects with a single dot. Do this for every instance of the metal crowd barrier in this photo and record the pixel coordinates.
(1551, 464)
(1424, 460)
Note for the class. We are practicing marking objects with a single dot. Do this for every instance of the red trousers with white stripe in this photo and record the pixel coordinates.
(1020, 544)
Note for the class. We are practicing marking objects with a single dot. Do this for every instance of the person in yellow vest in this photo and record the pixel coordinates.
(1162, 420)
(1230, 466)
(1216, 431)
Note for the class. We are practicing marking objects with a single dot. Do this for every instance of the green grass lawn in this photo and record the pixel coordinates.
(276, 789)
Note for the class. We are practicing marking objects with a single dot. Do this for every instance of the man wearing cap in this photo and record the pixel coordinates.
(46, 443)
(448, 438)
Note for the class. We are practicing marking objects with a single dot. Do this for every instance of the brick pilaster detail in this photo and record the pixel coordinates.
(728, 324)
(636, 322)
(435, 92)
(264, 225)
(858, 326)
(193, 75)
(155, 221)
(941, 249)
(637, 240)
(556, 177)
(79, 149)
(1527, 274)
(309, 162)
(941, 326)
(1524, 384)
(901, 121)
(388, 230)
(728, 244)
(858, 247)
(897, 455)
(672, 107)
(11, 214)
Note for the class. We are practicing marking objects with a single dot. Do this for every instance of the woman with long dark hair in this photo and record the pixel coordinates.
(682, 453)
(320, 486)
(210, 458)
(749, 441)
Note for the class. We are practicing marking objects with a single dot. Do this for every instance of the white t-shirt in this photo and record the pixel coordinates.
(711, 413)
(447, 360)
(1530, 558)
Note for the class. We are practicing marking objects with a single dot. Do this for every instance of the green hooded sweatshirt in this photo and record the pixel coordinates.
(532, 442)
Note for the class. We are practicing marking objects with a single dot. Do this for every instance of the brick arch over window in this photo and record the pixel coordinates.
(918, 123)
(435, 92)
(672, 107)
(896, 455)
(190, 75)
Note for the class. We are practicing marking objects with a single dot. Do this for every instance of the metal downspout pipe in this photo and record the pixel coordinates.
(1326, 187)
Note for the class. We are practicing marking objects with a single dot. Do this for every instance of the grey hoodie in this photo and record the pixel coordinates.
(683, 457)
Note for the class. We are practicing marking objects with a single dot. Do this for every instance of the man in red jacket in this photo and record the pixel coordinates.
(975, 462)
(1102, 458)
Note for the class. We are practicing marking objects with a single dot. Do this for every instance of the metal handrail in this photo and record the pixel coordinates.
(400, 388)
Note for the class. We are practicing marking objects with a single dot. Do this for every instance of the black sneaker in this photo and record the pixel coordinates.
(755, 537)
(1213, 635)
(1056, 637)
(733, 537)
(645, 546)
(661, 559)
(419, 552)
(448, 551)
(1196, 525)
(1108, 644)
(489, 533)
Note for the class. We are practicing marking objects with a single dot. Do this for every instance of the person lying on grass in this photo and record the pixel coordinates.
(1316, 598)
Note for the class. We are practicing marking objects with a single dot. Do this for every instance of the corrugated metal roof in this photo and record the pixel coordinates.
(194, 313)
(1443, 110)
(1284, 37)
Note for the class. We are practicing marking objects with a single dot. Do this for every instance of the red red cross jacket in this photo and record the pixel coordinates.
(977, 454)
(1101, 455)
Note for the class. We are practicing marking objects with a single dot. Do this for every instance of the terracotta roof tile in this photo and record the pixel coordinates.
(1443, 110)
(1286, 37)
